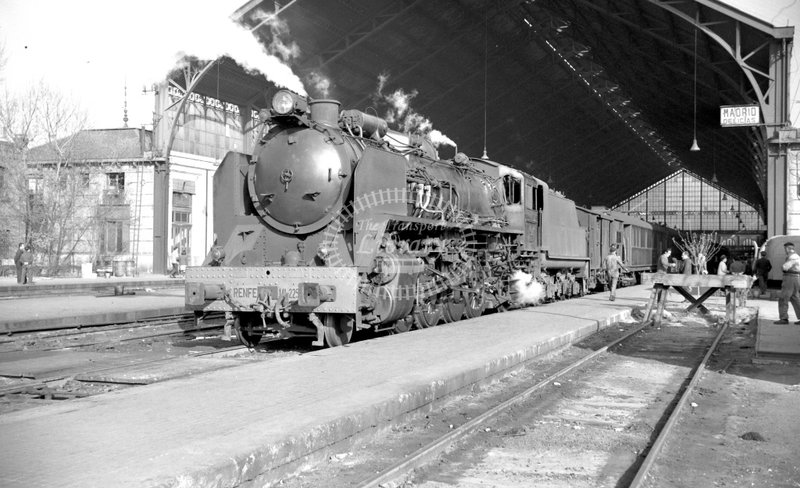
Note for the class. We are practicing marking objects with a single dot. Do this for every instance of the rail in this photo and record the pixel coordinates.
(437, 447)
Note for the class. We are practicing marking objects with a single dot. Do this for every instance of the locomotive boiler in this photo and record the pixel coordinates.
(336, 224)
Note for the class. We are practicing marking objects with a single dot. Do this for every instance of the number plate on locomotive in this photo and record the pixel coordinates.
(273, 291)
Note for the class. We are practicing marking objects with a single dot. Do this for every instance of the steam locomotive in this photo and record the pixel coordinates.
(337, 224)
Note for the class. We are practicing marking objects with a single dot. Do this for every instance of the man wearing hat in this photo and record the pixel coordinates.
(612, 264)
(790, 288)
(763, 267)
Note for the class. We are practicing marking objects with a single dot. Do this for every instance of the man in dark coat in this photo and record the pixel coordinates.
(18, 262)
(763, 267)
(27, 262)
(687, 263)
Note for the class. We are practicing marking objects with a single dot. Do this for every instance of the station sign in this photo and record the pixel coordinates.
(739, 115)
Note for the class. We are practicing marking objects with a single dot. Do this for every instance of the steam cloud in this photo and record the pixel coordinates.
(525, 290)
(240, 44)
(279, 31)
(402, 116)
(437, 138)
(68, 56)
(321, 84)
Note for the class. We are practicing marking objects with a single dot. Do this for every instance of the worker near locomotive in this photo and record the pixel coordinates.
(338, 224)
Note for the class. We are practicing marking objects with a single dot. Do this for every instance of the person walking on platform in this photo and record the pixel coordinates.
(612, 265)
(790, 288)
(687, 263)
(18, 262)
(27, 261)
(763, 267)
(722, 267)
(174, 261)
(737, 268)
(663, 262)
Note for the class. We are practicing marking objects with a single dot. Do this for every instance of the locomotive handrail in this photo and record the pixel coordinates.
(568, 258)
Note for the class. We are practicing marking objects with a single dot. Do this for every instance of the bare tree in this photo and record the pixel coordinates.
(701, 248)
(45, 186)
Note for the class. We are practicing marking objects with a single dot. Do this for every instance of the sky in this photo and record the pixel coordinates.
(91, 49)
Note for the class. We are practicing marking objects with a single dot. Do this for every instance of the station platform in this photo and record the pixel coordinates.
(86, 302)
(776, 341)
(245, 425)
(9, 288)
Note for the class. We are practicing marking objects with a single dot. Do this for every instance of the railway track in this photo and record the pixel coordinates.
(595, 419)
(66, 364)
(78, 337)
(42, 387)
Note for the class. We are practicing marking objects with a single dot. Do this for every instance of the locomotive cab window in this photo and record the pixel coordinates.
(513, 189)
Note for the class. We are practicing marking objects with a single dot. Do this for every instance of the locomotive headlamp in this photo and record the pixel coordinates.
(283, 102)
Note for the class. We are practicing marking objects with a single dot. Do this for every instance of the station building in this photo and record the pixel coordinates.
(127, 203)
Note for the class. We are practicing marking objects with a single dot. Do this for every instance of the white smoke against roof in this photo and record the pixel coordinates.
(437, 138)
(91, 57)
(525, 290)
(320, 85)
(406, 118)
(416, 123)
(399, 102)
(382, 79)
(280, 45)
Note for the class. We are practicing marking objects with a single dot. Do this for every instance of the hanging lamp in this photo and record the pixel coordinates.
(694, 146)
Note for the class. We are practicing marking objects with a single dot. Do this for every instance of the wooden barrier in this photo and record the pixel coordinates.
(682, 283)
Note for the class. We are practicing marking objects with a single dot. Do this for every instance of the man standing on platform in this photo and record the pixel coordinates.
(612, 264)
(663, 262)
(722, 267)
(737, 268)
(790, 288)
(27, 261)
(687, 263)
(18, 262)
(763, 267)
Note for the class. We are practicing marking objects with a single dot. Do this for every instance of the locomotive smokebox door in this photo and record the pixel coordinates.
(300, 178)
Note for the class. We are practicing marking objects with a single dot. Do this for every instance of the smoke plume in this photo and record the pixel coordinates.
(321, 85)
(403, 117)
(92, 57)
(437, 138)
(525, 290)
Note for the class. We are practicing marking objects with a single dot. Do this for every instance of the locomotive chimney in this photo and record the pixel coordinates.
(325, 111)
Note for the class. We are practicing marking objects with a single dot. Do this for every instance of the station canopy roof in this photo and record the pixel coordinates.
(596, 97)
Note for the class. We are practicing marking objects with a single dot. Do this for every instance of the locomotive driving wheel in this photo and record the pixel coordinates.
(245, 325)
(338, 329)
(475, 305)
(453, 309)
(427, 314)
